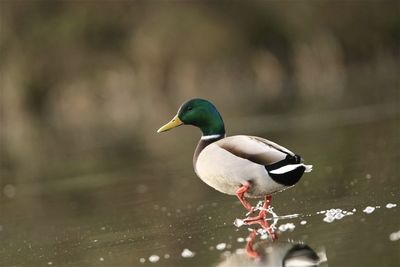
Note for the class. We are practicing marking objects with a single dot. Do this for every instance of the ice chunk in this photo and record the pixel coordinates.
(221, 246)
(238, 222)
(336, 214)
(154, 258)
(394, 236)
(369, 209)
(240, 239)
(286, 226)
(186, 253)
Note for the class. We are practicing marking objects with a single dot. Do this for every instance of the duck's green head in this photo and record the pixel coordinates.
(200, 113)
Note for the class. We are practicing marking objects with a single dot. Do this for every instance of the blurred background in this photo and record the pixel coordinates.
(85, 85)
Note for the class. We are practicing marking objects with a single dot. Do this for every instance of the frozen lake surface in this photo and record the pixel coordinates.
(156, 212)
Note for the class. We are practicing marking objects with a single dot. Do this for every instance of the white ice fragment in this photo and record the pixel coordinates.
(261, 231)
(394, 236)
(186, 253)
(240, 239)
(154, 258)
(336, 214)
(390, 205)
(303, 222)
(286, 226)
(329, 219)
(221, 246)
(142, 260)
(369, 209)
(101, 259)
(339, 216)
(238, 222)
(50, 263)
(166, 256)
(264, 236)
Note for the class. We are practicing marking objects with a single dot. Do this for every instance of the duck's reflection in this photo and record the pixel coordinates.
(274, 254)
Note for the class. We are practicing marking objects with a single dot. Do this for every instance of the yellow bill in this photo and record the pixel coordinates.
(175, 122)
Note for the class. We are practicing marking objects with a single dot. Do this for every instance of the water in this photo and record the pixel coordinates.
(156, 212)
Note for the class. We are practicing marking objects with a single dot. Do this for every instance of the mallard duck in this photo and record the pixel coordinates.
(241, 165)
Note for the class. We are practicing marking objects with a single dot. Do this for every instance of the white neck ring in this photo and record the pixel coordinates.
(212, 136)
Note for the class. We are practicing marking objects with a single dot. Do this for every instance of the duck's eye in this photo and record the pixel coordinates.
(189, 108)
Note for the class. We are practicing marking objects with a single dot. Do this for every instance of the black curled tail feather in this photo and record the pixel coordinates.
(290, 177)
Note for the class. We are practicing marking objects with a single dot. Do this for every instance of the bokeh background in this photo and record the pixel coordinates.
(85, 85)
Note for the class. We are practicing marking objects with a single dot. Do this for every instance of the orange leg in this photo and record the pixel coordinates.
(263, 213)
(260, 218)
(240, 194)
(249, 246)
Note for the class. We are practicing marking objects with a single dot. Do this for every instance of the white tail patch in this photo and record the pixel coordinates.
(291, 167)
(308, 168)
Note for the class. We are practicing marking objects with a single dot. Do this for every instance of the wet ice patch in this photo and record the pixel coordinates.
(369, 210)
(142, 260)
(395, 236)
(154, 258)
(240, 239)
(335, 214)
(286, 227)
(390, 205)
(220, 246)
(303, 222)
(186, 253)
